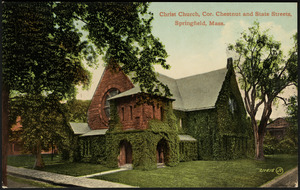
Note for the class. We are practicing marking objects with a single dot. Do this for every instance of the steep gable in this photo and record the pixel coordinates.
(110, 79)
(200, 91)
(190, 93)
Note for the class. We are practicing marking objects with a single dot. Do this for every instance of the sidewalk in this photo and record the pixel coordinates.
(64, 180)
(288, 179)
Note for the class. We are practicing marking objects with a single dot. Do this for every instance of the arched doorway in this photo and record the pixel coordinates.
(162, 151)
(125, 156)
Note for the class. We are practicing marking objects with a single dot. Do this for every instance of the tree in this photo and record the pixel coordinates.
(43, 51)
(263, 74)
(41, 56)
(292, 105)
(43, 124)
(77, 110)
(121, 33)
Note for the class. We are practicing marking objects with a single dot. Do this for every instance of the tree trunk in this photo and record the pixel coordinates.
(259, 148)
(39, 163)
(259, 135)
(5, 128)
(52, 152)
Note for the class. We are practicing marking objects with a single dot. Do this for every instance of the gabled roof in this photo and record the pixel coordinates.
(200, 91)
(190, 93)
(278, 123)
(80, 128)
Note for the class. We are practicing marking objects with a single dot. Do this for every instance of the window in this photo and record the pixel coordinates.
(109, 94)
(232, 105)
(123, 116)
(153, 111)
(131, 112)
(180, 123)
(161, 113)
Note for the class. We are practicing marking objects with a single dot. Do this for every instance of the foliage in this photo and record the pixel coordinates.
(42, 56)
(220, 134)
(292, 131)
(105, 149)
(122, 33)
(77, 110)
(292, 108)
(286, 145)
(263, 75)
(43, 122)
(144, 142)
(188, 151)
(239, 173)
(92, 149)
(42, 51)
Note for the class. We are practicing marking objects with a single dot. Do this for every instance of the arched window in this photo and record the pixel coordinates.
(112, 92)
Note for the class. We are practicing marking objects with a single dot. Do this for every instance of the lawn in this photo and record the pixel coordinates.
(57, 166)
(233, 173)
(32, 182)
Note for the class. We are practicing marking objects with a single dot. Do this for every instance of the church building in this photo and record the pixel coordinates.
(205, 119)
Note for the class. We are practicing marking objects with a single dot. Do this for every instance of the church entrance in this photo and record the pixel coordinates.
(162, 151)
(125, 156)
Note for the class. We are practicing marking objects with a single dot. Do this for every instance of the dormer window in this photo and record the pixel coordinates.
(109, 94)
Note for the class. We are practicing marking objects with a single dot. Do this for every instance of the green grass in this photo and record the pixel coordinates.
(233, 173)
(32, 183)
(27, 161)
(57, 166)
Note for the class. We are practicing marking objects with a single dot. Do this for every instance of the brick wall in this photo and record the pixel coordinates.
(110, 79)
(133, 116)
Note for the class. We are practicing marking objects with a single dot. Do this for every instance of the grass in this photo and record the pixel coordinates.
(57, 166)
(27, 161)
(233, 173)
(31, 182)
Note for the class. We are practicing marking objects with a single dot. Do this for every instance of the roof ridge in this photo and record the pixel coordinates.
(202, 73)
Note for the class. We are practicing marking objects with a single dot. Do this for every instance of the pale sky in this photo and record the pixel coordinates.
(198, 49)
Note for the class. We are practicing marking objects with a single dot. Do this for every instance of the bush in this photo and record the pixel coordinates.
(272, 145)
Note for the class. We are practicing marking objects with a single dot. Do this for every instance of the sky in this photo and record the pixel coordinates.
(202, 48)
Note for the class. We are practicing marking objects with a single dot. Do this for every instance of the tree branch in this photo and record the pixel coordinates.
(285, 103)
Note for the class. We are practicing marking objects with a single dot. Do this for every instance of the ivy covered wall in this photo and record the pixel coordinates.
(188, 151)
(223, 132)
(144, 142)
(202, 126)
(235, 132)
(92, 149)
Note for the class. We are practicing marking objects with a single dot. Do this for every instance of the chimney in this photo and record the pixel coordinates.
(229, 62)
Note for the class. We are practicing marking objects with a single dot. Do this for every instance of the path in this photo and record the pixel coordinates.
(288, 179)
(64, 180)
(122, 168)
